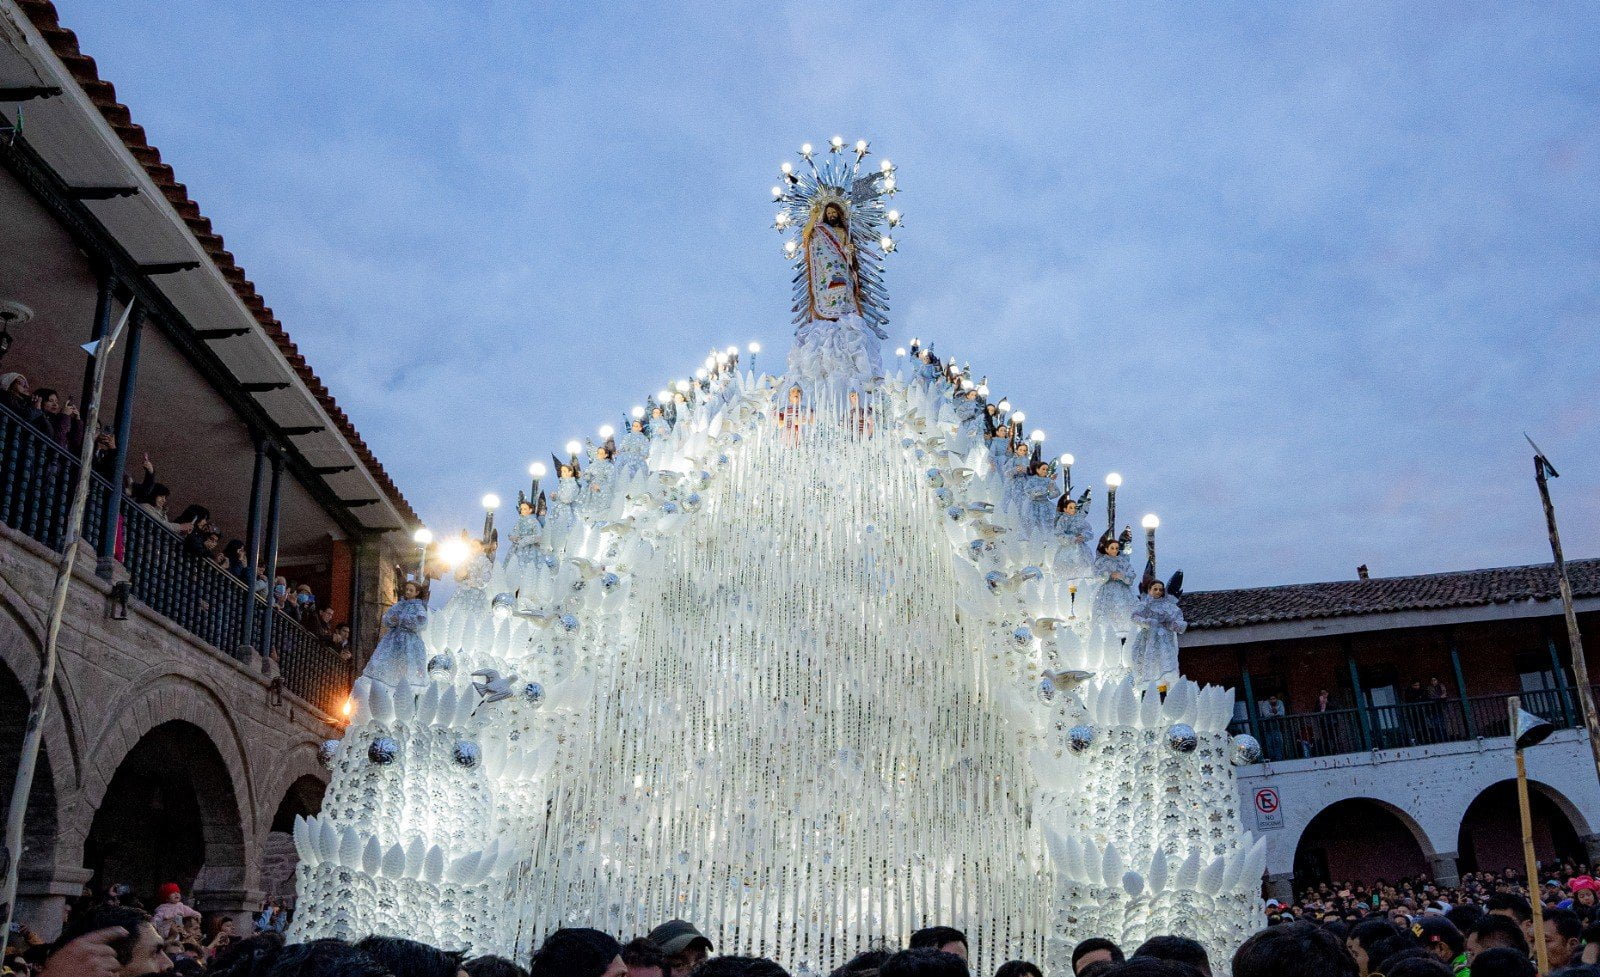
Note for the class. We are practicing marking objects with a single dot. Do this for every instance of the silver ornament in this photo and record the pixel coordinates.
(1080, 737)
(383, 751)
(441, 664)
(1047, 690)
(994, 578)
(466, 754)
(954, 512)
(569, 622)
(503, 605)
(935, 477)
(943, 494)
(534, 693)
(1246, 750)
(609, 581)
(327, 752)
(1180, 736)
(670, 508)
(1022, 636)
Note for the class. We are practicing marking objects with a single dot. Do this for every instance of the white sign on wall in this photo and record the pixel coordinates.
(1269, 809)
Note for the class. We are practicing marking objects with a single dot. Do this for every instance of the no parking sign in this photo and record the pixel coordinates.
(1269, 809)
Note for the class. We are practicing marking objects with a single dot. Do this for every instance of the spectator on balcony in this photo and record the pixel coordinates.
(59, 419)
(234, 553)
(202, 541)
(1272, 712)
(18, 396)
(305, 607)
(280, 592)
(1324, 701)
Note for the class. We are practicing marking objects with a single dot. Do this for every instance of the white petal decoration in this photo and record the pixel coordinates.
(1188, 874)
(433, 865)
(350, 848)
(394, 862)
(1157, 879)
(1132, 883)
(371, 855)
(416, 851)
(1211, 876)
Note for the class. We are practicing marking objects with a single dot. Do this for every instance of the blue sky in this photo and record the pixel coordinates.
(1302, 273)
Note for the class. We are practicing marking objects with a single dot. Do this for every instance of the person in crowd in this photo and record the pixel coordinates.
(280, 592)
(135, 947)
(1414, 963)
(1095, 950)
(644, 958)
(1298, 949)
(1589, 954)
(1563, 934)
(1178, 948)
(684, 945)
(867, 963)
(323, 958)
(946, 939)
(499, 967)
(1150, 967)
(1585, 896)
(223, 932)
(171, 911)
(1363, 937)
(1502, 962)
(578, 952)
(234, 553)
(1496, 930)
(1443, 941)
(408, 958)
(740, 967)
(924, 962)
(248, 957)
(1018, 968)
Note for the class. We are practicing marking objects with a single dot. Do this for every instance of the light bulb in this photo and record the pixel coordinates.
(573, 447)
(1018, 417)
(888, 183)
(966, 384)
(1113, 479)
(899, 351)
(805, 149)
(722, 359)
(789, 248)
(894, 218)
(1151, 521)
(606, 430)
(787, 168)
(1067, 459)
(886, 243)
(663, 395)
(915, 341)
(837, 142)
(637, 413)
(732, 351)
(777, 193)
(422, 536)
(537, 469)
(1037, 435)
(754, 347)
(491, 501)
(683, 386)
(454, 551)
(983, 390)
(1005, 406)
(861, 145)
(782, 220)
(886, 166)
(700, 374)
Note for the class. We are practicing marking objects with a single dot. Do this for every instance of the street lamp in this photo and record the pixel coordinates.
(422, 537)
(1113, 481)
(1529, 730)
(491, 502)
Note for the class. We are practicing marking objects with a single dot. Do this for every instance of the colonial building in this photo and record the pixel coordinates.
(183, 731)
(1381, 708)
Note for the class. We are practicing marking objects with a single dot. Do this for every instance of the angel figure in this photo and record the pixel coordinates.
(401, 658)
(1159, 619)
(563, 505)
(1074, 557)
(1115, 601)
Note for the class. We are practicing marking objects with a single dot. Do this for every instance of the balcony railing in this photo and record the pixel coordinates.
(1315, 734)
(36, 483)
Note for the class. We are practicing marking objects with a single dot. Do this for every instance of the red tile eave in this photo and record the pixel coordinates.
(65, 45)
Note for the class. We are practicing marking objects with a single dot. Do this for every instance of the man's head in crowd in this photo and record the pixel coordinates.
(1095, 950)
(945, 938)
(924, 962)
(684, 945)
(1496, 930)
(140, 951)
(1502, 962)
(578, 952)
(1301, 949)
(1563, 933)
(408, 958)
(1177, 948)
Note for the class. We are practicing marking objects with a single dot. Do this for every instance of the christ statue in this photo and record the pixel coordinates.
(831, 266)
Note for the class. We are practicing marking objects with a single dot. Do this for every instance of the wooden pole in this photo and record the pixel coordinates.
(1541, 952)
(1580, 667)
(39, 704)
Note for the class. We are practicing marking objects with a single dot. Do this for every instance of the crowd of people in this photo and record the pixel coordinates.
(57, 417)
(1483, 927)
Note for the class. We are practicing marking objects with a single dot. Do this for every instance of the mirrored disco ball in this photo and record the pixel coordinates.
(442, 664)
(466, 754)
(1080, 737)
(383, 751)
(327, 752)
(1246, 750)
(533, 692)
(1180, 736)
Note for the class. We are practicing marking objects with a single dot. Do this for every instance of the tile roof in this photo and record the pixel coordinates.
(1210, 610)
(64, 43)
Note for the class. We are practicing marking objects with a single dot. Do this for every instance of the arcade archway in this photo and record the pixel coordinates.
(1359, 840)
(1490, 837)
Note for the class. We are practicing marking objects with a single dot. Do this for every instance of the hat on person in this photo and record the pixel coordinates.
(168, 890)
(1437, 929)
(7, 379)
(677, 936)
(1584, 882)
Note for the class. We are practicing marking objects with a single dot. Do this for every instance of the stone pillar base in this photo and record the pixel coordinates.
(42, 895)
(1444, 869)
(1281, 887)
(240, 904)
(1591, 845)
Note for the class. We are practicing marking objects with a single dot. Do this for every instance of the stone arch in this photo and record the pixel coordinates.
(1361, 839)
(1490, 835)
(22, 655)
(303, 797)
(170, 814)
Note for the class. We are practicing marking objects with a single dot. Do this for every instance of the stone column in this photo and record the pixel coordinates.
(42, 894)
(1591, 846)
(1281, 887)
(1443, 866)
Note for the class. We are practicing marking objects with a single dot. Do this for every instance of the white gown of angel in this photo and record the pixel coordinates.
(1154, 651)
(401, 658)
(1075, 555)
(633, 460)
(562, 516)
(1039, 513)
(598, 482)
(1115, 601)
